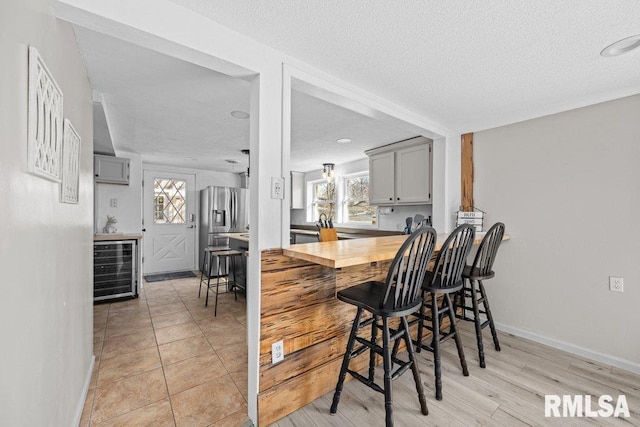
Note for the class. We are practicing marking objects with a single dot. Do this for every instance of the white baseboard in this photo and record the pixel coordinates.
(627, 365)
(85, 390)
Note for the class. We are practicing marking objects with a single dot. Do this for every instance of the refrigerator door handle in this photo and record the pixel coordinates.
(234, 210)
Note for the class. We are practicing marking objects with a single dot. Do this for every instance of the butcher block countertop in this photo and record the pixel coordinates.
(346, 253)
(116, 236)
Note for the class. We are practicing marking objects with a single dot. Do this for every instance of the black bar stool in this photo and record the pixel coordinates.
(205, 270)
(230, 255)
(474, 274)
(443, 280)
(398, 297)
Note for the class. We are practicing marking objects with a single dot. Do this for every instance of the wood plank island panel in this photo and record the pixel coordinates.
(300, 308)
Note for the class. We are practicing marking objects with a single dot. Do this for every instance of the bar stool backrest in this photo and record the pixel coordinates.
(486, 255)
(452, 258)
(408, 268)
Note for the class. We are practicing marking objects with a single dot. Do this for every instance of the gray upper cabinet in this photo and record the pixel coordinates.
(381, 178)
(111, 170)
(297, 190)
(400, 174)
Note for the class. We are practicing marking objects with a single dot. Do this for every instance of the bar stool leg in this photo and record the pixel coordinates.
(477, 322)
(485, 301)
(202, 271)
(372, 354)
(456, 336)
(235, 283)
(435, 344)
(206, 302)
(345, 362)
(421, 322)
(414, 367)
(215, 308)
(388, 392)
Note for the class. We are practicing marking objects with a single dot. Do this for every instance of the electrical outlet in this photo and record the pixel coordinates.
(113, 203)
(277, 187)
(277, 352)
(616, 284)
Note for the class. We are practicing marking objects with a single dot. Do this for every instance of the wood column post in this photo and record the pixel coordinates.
(467, 172)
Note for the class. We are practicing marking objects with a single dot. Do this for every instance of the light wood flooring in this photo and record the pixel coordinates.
(509, 392)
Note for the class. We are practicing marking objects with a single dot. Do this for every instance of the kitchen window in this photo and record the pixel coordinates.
(345, 201)
(323, 199)
(355, 203)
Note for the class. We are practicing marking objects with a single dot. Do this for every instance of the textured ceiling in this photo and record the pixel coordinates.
(169, 110)
(469, 65)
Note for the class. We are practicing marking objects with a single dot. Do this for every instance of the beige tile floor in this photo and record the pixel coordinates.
(164, 359)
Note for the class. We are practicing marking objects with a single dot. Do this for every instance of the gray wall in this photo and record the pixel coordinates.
(567, 186)
(46, 310)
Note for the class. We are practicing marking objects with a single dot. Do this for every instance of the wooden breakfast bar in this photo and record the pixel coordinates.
(299, 306)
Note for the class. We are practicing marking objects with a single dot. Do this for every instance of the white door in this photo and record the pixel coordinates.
(169, 222)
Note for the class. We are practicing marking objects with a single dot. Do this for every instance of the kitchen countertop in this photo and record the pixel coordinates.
(346, 253)
(116, 236)
(340, 234)
(243, 237)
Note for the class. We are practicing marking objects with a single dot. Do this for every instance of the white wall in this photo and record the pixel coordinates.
(128, 197)
(46, 253)
(567, 188)
(394, 221)
(129, 210)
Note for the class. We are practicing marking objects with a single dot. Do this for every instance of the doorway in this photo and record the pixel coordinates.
(169, 222)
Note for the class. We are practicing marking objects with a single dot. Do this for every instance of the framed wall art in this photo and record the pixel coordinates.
(69, 187)
(45, 129)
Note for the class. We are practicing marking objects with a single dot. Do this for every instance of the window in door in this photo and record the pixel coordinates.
(169, 201)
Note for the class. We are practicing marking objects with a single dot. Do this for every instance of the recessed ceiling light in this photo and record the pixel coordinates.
(343, 140)
(233, 162)
(621, 46)
(240, 114)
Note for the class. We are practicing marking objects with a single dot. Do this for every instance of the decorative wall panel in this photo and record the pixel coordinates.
(45, 120)
(70, 164)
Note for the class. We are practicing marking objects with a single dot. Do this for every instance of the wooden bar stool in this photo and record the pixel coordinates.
(443, 280)
(473, 275)
(230, 255)
(398, 297)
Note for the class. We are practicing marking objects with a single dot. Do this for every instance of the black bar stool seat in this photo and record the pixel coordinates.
(397, 297)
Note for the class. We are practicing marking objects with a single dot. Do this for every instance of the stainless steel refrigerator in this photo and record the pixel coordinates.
(222, 210)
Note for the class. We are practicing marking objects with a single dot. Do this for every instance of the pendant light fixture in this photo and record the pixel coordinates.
(328, 171)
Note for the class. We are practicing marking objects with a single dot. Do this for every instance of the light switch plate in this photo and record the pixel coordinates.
(277, 187)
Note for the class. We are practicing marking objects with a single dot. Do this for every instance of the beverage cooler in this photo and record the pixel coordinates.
(115, 270)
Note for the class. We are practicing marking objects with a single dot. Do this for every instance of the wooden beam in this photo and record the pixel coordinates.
(467, 172)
